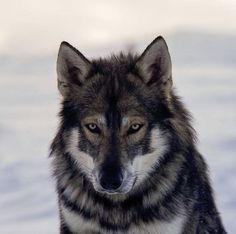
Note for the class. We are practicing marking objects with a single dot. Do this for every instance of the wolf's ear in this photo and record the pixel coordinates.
(72, 68)
(155, 64)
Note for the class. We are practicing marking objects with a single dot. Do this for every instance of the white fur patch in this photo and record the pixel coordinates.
(84, 161)
(161, 227)
(144, 164)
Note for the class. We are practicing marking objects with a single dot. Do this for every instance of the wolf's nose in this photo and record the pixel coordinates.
(109, 182)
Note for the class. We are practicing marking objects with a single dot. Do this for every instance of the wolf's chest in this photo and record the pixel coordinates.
(78, 224)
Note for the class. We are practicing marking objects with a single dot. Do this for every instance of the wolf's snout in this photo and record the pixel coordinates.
(111, 182)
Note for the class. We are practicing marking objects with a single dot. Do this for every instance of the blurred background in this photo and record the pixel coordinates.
(201, 35)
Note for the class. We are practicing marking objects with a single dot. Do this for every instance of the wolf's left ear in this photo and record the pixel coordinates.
(72, 68)
(155, 65)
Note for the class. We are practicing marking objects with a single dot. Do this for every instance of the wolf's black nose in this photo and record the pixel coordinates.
(111, 182)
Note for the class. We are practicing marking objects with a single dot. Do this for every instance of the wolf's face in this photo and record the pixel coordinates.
(112, 114)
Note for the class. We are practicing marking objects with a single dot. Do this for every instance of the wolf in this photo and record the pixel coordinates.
(125, 157)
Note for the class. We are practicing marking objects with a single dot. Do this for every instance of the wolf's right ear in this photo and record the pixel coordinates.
(72, 68)
(155, 65)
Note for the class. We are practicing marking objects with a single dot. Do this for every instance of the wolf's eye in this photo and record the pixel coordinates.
(134, 128)
(92, 127)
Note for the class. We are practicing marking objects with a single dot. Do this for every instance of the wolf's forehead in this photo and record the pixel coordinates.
(108, 105)
(109, 110)
(111, 101)
(109, 91)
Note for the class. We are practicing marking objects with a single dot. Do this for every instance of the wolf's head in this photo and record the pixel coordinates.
(114, 114)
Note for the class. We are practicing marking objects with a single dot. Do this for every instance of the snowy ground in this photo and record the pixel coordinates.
(28, 108)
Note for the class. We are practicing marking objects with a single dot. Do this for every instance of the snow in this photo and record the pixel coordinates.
(29, 103)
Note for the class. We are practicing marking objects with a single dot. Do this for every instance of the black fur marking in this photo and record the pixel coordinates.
(75, 208)
(64, 229)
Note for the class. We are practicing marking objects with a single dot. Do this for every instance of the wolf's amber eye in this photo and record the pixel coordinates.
(92, 127)
(134, 128)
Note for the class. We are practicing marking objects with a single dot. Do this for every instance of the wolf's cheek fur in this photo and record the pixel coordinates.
(145, 164)
(83, 160)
